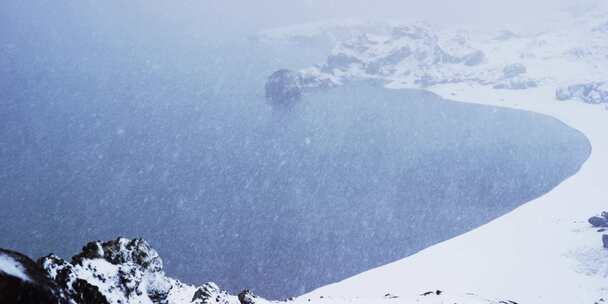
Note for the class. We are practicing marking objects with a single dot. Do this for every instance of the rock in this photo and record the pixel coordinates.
(593, 92)
(513, 70)
(283, 88)
(210, 293)
(22, 281)
(339, 61)
(247, 297)
(605, 240)
(597, 221)
(121, 251)
(121, 270)
(474, 58)
(516, 83)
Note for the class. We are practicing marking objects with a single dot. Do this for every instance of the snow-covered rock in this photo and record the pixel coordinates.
(126, 271)
(594, 92)
(412, 53)
(514, 70)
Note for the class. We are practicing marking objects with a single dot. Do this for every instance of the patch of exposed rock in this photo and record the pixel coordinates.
(283, 88)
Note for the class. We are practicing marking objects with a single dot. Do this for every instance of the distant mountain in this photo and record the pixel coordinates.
(573, 52)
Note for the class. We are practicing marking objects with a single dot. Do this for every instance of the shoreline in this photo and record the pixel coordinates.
(547, 240)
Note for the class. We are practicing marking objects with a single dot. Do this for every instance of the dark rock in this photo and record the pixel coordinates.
(283, 88)
(247, 297)
(86, 293)
(121, 251)
(605, 240)
(210, 293)
(597, 221)
(22, 281)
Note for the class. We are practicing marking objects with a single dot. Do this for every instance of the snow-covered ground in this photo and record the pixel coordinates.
(544, 251)
(9, 266)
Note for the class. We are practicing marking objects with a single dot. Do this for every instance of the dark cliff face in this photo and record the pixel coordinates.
(283, 88)
(27, 282)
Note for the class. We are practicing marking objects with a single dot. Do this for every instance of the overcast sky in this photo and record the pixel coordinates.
(190, 18)
(480, 12)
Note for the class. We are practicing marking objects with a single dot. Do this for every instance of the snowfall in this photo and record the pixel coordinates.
(544, 251)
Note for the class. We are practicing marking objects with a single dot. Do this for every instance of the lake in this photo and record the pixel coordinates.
(179, 147)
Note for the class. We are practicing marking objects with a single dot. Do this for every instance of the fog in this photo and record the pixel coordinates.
(195, 18)
(147, 119)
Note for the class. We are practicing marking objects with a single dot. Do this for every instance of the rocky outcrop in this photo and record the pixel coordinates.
(605, 240)
(121, 271)
(210, 293)
(22, 281)
(413, 56)
(593, 92)
(283, 88)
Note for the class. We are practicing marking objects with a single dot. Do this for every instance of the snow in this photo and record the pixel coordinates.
(13, 268)
(544, 251)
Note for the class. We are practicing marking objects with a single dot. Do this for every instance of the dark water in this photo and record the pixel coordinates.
(174, 143)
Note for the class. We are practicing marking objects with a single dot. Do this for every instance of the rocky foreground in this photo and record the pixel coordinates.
(125, 271)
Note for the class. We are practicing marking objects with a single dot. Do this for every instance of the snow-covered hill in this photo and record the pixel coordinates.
(568, 52)
(544, 251)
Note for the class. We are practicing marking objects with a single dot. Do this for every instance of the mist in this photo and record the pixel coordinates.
(148, 119)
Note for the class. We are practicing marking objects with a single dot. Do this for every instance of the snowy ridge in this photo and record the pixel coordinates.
(544, 251)
(125, 271)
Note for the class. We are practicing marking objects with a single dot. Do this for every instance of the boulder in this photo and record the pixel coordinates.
(605, 240)
(283, 88)
(597, 221)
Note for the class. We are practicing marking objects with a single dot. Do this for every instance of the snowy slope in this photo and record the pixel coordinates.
(544, 251)
(131, 271)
